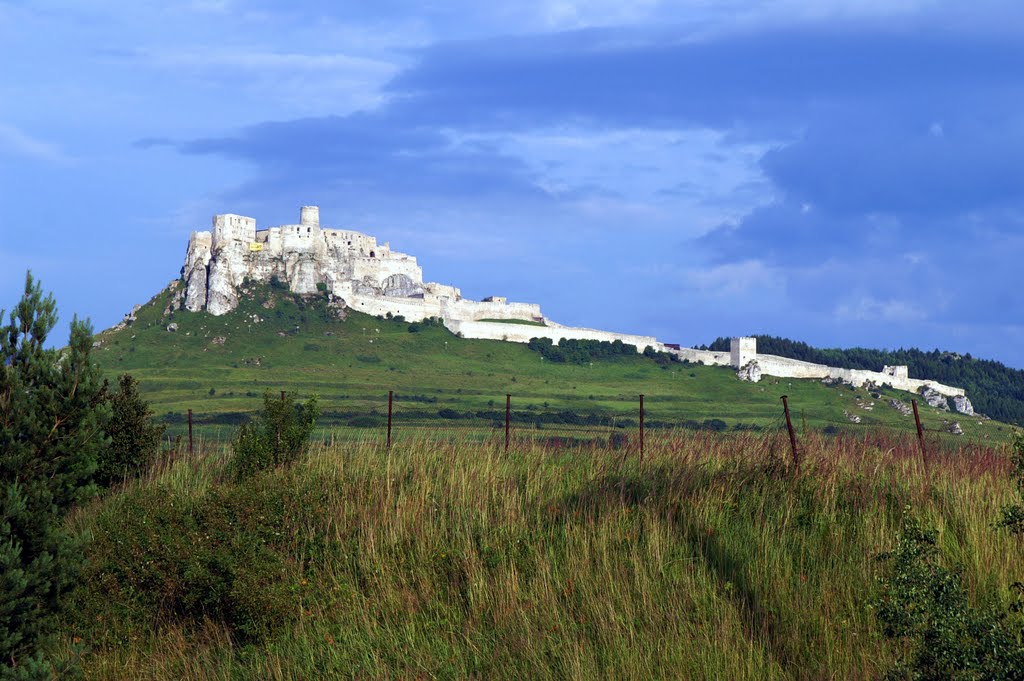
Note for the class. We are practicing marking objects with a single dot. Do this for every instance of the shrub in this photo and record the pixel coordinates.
(278, 435)
(925, 605)
(134, 438)
(321, 287)
(159, 553)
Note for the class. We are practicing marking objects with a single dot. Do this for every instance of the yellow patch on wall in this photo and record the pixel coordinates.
(255, 247)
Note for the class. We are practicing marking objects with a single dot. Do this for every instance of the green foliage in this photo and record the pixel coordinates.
(159, 553)
(580, 351)
(1013, 514)
(996, 390)
(278, 435)
(52, 422)
(134, 437)
(925, 605)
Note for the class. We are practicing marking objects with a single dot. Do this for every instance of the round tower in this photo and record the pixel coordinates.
(309, 216)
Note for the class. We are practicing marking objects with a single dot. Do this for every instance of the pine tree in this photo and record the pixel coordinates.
(134, 438)
(52, 429)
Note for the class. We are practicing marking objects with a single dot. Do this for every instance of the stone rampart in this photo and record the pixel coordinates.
(522, 333)
(784, 367)
(708, 357)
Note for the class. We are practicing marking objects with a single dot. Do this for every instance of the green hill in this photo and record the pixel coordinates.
(995, 389)
(220, 366)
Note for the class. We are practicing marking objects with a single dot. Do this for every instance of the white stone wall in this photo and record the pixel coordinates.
(784, 367)
(472, 310)
(709, 357)
(522, 333)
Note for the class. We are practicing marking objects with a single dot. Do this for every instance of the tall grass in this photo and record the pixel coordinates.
(451, 560)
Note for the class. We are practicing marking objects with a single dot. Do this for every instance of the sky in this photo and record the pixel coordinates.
(843, 172)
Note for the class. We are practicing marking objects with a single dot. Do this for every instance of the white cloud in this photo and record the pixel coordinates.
(737, 279)
(868, 308)
(684, 181)
(17, 142)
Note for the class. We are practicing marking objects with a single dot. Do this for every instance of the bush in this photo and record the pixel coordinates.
(278, 435)
(159, 552)
(926, 606)
(134, 438)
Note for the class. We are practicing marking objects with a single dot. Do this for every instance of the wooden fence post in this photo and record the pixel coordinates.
(792, 434)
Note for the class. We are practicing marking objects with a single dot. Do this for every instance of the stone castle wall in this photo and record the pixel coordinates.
(522, 333)
(897, 377)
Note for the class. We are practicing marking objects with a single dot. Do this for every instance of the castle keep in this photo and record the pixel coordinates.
(369, 277)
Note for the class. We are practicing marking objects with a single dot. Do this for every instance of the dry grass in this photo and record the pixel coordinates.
(452, 560)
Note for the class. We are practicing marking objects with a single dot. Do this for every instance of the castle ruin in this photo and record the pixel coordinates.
(371, 278)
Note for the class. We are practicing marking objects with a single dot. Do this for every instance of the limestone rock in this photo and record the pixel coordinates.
(750, 372)
(935, 399)
(955, 428)
(172, 327)
(196, 270)
(963, 405)
(901, 407)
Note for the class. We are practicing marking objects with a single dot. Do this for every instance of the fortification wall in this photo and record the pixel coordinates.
(522, 333)
(784, 367)
(231, 228)
(379, 269)
(413, 309)
(471, 310)
(708, 357)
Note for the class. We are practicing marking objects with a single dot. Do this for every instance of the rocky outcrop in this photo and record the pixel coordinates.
(935, 399)
(901, 407)
(963, 405)
(750, 372)
(195, 271)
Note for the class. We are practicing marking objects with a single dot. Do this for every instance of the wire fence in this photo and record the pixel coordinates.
(506, 422)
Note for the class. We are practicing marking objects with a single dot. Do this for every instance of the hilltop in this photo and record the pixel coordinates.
(219, 366)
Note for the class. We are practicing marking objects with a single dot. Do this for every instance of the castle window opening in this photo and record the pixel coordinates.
(372, 254)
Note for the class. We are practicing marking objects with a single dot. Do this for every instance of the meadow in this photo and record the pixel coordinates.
(219, 367)
(712, 558)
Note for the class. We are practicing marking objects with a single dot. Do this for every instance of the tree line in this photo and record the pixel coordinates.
(995, 389)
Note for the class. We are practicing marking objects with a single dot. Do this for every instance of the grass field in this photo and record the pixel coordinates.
(712, 560)
(220, 366)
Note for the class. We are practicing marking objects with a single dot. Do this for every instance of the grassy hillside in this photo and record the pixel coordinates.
(995, 389)
(220, 366)
(449, 561)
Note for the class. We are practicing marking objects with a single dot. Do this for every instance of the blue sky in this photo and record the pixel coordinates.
(837, 171)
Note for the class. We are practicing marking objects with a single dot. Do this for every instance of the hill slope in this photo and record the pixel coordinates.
(220, 366)
(995, 389)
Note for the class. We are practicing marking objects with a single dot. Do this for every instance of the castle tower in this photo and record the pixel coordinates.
(309, 216)
(742, 351)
